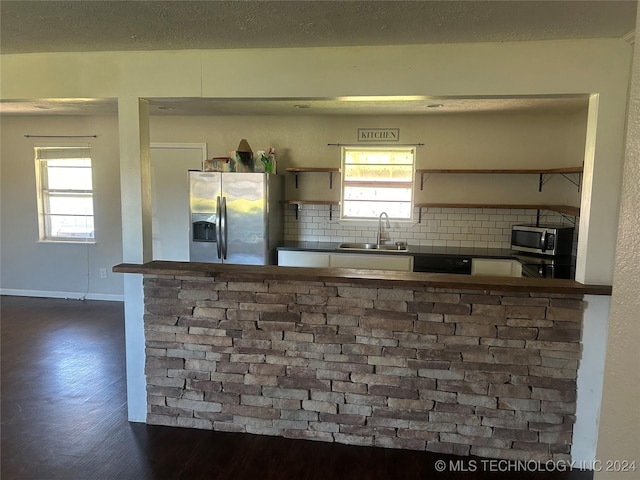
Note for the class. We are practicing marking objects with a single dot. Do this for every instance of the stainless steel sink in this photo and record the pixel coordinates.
(393, 248)
(373, 246)
(359, 246)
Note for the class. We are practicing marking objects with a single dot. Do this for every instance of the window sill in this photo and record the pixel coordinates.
(374, 221)
(68, 242)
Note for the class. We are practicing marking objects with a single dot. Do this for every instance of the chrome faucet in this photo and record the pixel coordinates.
(380, 237)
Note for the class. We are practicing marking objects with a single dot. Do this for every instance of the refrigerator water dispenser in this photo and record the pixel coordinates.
(203, 227)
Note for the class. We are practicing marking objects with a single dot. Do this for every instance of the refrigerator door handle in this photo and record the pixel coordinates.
(218, 228)
(223, 224)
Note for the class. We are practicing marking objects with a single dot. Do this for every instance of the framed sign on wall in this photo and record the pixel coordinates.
(379, 135)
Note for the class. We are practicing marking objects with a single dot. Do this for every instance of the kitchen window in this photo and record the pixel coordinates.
(65, 193)
(376, 180)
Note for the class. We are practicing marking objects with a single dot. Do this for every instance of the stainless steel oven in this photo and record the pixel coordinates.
(549, 240)
(548, 267)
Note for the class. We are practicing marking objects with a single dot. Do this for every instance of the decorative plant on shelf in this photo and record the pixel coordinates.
(269, 160)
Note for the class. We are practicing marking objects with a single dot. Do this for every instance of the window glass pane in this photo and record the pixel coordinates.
(69, 178)
(358, 209)
(65, 186)
(377, 193)
(378, 157)
(376, 180)
(70, 205)
(378, 172)
(71, 227)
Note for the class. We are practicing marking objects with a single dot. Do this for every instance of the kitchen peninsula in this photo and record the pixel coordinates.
(458, 364)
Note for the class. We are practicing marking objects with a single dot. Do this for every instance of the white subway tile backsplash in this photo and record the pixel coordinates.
(461, 227)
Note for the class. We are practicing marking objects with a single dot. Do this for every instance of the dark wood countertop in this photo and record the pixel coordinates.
(414, 250)
(363, 276)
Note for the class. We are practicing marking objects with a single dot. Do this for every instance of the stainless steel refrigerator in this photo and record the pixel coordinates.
(235, 217)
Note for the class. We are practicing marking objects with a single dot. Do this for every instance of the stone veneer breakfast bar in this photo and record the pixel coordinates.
(455, 364)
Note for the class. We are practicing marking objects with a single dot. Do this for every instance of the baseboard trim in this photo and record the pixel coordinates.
(69, 295)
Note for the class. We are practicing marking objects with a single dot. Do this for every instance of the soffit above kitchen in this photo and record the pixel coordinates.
(365, 106)
(83, 26)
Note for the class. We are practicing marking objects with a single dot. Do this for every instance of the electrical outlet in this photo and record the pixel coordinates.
(103, 273)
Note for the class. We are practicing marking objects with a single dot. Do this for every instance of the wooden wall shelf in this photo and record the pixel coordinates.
(502, 171)
(311, 169)
(542, 172)
(311, 202)
(563, 209)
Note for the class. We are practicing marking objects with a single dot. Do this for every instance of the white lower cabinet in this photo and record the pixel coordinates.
(499, 267)
(301, 258)
(403, 263)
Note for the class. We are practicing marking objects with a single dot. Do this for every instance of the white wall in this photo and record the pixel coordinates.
(620, 415)
(544, 68)
(30, 267)
(492, 140)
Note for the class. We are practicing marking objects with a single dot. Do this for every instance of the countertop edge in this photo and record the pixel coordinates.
(363, 276)
(413, 250)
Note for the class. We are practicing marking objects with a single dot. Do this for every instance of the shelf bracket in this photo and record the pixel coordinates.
(543, 179)
(330, 179)
(568, 219)
(419, 214)
(330, 212)
(297, 207)
(421, 181)
(571, 180)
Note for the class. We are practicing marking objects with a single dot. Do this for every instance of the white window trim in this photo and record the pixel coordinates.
(42, 221)
(373, 220)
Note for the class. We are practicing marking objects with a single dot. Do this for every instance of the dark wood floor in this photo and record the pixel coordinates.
(64, 417)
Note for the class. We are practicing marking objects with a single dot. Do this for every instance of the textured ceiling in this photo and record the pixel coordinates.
(74, 26)
(87, 25)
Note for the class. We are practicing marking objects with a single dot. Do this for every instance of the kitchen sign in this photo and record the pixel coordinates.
(379, 135)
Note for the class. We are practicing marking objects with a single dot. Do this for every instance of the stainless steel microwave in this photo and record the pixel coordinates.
(542, 239)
